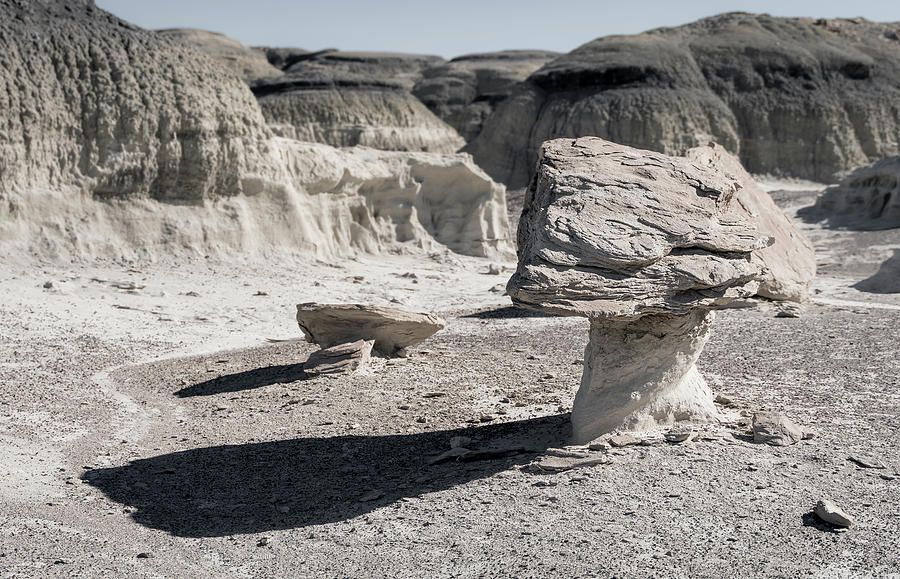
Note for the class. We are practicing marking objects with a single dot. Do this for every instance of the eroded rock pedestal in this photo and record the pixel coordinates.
(641, 373)
(645, 246)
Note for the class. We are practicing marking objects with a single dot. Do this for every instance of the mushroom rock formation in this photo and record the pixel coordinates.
(645, 246)
(790, 262)
(392, 329)
(867, 198)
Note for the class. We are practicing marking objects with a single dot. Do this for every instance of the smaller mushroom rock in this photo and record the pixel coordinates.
(392, 329)
(342, 358)
(645, 246)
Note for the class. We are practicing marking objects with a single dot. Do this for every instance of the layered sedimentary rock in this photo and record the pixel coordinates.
(868, 198)
(391, 329)
(789, 264)
(466, 90)
(345, 99)
(645, 246)
(117, 142)
(346, 357)
(790, 96)
(89, 100)
(242, 60)
(283, 57)
(374, 200)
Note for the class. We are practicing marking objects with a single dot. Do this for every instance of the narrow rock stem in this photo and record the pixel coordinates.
(641, 373)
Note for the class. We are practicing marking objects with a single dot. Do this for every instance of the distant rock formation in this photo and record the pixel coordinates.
(868, 198)
(282, 57)
(794, 97)
(345, 99)
(93, 101)
(242, 60)
(790, 262)
(118, 142)
(466, 90)
(645, 246)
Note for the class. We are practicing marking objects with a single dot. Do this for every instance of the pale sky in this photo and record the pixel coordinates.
(453, 27)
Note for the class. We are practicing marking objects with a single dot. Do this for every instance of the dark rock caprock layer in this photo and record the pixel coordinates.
(354, 98)
(796, 97)
(465, 91)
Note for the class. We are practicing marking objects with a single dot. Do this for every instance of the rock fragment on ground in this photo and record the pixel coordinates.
(788, 310)
(832, 514)
(623, 440)
(775, 429)
(866, 462)
(676, 436)
(391, 329)
(342, 358)
(560, 464)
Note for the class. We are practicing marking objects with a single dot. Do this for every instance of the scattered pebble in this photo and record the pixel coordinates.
(371, 496)
(622, 440)
(866, 462)
(677, 436)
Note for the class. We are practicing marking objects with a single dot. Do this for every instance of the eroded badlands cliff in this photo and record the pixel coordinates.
(795, 97)
(119, 142)
(346, 98)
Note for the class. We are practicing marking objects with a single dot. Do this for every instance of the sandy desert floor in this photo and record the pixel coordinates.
(149, 427)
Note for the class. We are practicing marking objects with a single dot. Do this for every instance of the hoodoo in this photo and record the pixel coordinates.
(645, 246)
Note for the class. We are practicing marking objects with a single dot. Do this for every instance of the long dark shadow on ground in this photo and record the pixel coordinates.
(507, 312)
(252, 488)
(246, 380)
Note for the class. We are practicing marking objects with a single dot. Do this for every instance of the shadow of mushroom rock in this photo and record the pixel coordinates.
(509, 312)
(246, 380)
(251, 488)
(886, 280)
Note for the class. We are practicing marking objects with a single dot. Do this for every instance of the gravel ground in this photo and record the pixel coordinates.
(121, 456)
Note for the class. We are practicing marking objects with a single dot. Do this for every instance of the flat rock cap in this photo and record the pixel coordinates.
(391, 328)
(609, 231)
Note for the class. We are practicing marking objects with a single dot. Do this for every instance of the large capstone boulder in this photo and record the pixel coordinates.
(645, 246)
(392, 329)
